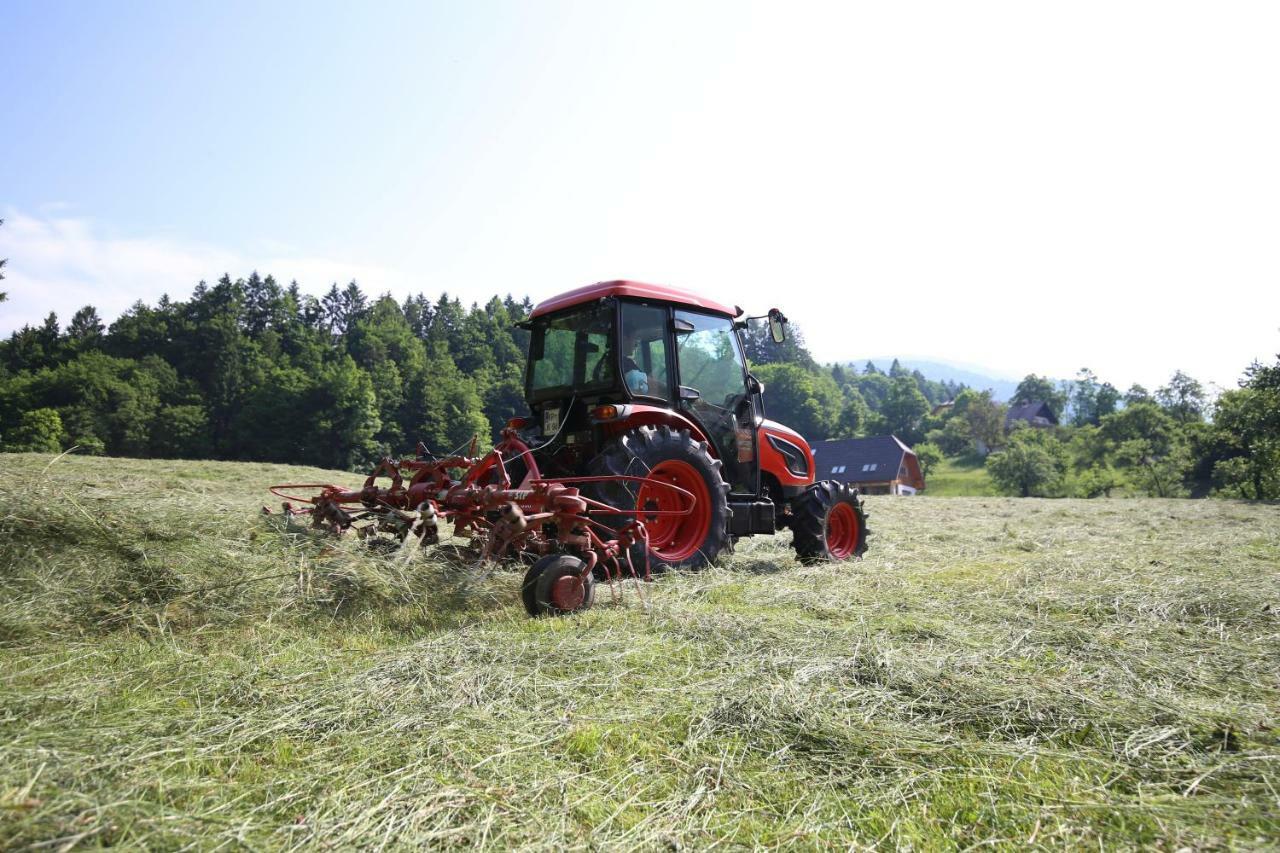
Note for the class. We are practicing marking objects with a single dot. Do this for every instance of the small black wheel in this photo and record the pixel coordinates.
(555, 586)
(828, 523)
(529, 588)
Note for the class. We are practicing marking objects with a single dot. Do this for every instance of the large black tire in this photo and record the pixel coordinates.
(828, 523)
(637, 453)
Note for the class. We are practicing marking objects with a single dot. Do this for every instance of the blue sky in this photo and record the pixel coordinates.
(1023, 187)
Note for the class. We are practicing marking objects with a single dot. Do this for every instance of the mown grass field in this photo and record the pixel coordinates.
(177, 670)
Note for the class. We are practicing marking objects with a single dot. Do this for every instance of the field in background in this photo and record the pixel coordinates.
(965, 477)
(177, 669)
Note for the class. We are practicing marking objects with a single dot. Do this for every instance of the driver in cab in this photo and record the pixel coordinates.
(638, 382)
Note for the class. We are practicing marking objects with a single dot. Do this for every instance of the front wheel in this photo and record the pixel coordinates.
(829, 523)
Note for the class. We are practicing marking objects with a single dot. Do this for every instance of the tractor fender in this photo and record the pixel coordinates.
(635, 415)
(783, 453)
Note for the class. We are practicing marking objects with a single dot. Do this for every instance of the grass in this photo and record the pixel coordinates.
(177, 670)
(962, 477)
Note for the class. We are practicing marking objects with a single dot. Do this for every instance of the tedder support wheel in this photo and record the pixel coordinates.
(555, 585)
(829, 523)
(670, 456)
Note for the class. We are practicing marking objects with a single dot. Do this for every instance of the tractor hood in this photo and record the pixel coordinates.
(785, 454)
(784, 431)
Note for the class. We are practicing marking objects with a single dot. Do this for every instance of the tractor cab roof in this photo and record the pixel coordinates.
(638, 289)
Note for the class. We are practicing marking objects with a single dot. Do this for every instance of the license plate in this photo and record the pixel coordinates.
(551, 420)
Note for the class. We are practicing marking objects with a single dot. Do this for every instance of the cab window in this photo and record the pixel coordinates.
(709, 359)
(568, 352)
(644, 350)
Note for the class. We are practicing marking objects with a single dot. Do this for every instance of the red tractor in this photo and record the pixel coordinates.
(648, 444)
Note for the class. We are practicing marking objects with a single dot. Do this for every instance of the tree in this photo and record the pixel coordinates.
(761, 349)
(874, 388)
(1032, 465)
(954, 439)
(3, 261)
(1183, 398)
(1039, 388)
(180, 432)
(984, 416)
(928, 455)
(1149, 446)
(331, 310)
(354, 304)
(854, 415)
(504, 398)
(1107, 400)
(1246, 425)
(85, 330)
(1098, 481)
(903, 409)
(1136, 394)
(265, 305)
(1157, 474)
(808, 402)
(39, 431)
(443, 406)
(345, 415)
(1091, 399)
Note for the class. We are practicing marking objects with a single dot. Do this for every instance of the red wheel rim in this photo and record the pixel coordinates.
(675, 537)
(842, 531)
(567, 593)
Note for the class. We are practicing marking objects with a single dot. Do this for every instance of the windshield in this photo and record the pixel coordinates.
(567, 353)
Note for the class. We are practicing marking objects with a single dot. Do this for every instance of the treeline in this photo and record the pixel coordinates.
(1173, 443)
(839, 400)
(251, 370)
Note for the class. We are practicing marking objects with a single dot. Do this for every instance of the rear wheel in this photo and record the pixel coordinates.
(682, 532)
(828, 523)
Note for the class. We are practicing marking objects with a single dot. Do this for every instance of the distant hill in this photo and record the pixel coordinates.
(1002, 387)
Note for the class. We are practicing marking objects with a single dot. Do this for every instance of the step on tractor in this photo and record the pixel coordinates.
(646, 447)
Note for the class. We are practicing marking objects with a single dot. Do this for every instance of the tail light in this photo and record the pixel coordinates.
(608, 412)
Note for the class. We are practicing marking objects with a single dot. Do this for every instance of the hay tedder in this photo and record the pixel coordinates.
(647, 448)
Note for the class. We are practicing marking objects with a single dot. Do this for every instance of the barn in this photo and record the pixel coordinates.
(877, 465)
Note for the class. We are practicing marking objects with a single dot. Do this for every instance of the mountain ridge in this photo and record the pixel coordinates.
(981, 378)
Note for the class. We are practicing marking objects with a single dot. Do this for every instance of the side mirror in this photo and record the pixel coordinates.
(754, 386)
(777, 326)
(690, 394)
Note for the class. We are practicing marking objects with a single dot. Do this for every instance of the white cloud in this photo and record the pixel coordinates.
(61, 263)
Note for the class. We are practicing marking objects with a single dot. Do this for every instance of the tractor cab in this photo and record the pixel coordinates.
(659, 356)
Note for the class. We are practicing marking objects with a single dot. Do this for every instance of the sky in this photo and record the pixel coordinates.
(1022, 186)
